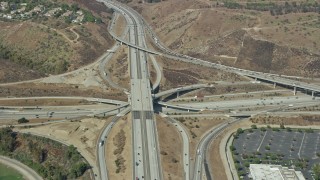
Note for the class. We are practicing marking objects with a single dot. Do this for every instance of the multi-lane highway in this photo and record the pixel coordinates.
(145, 144)
(246, 103)
(138, 70)
(273, 78)
(145, 148)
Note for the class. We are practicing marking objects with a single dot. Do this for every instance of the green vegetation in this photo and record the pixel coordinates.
(276, 9)
(7, 173)
(316, 171)
(50, 159)
(309, 130)
(49, 55)
(33, 9)
(23, 120)
(270, 155)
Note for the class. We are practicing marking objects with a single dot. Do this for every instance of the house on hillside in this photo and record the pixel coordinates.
(4, 6)
(79, 19)
(37, 9)
(52, 12)
(80, 13)
(22, 9)
(67, 14)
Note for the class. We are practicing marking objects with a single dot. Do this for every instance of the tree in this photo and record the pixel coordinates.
(23, 120)
(78, 169)
(239, 131)
(316, 171)
(75, 7)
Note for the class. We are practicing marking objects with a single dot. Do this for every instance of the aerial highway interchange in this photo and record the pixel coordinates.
(143, 100)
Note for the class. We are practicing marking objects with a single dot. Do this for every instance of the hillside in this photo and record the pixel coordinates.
(50, 159)
(51, 37)
(248, 35)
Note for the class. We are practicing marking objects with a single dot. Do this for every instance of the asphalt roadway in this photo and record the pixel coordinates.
(145, 146)
(101, 145)
(26, 171)
(186, 148)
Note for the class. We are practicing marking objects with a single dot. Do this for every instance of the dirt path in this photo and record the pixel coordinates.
(77, 35)
(27, 172)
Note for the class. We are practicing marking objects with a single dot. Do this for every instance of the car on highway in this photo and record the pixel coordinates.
(101, 143)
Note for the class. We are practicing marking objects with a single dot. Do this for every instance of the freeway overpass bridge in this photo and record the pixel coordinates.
(122, 41)
(180, 89)
(179, 107)
(278, 80)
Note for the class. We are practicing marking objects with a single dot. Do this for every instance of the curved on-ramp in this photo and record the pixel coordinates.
(27, 172)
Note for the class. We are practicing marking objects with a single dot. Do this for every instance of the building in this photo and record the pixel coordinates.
(52, 12)
(4, 5)
(274, 172)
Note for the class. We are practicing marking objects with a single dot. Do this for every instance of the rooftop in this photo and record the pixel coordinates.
(274, 172)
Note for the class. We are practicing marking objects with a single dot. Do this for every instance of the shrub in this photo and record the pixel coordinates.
(23, 120)
(254, 126)
(267, 148)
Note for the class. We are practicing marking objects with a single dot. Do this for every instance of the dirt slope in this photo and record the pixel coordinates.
(284, 44)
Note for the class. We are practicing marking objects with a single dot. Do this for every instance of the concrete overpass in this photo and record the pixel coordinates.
(118, 109)
(312, 88)
(177, 90)
(122, 41)
(180, 107)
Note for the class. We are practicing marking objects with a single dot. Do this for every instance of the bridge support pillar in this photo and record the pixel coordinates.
(274, 85)
(177, 94)
(255, 79)
(312, 94)
(188, 110)
(294, 90)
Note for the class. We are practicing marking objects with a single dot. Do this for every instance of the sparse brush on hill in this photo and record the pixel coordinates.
(51, 36)
(50, 159)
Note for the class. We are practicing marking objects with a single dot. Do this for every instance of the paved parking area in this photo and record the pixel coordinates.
(290, 146)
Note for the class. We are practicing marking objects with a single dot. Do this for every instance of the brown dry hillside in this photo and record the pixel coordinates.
(41, 45)
(252, 39)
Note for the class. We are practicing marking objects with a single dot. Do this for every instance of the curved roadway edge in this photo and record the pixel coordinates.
(27, 172)
(186, 148)
(158, 71)
(227, 142)
(100, 100)
(101, 145)
(274, 78)
(93, 169)
(200, 159)
(103, 72)
(223, 151)
(149, 167)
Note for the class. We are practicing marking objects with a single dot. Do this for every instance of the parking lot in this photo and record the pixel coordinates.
(291, 148)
